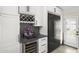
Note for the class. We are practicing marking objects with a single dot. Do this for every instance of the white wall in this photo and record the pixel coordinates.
(44, 29)
(71, 11)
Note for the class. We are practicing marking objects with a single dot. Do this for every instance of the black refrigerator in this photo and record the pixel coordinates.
(53, 43)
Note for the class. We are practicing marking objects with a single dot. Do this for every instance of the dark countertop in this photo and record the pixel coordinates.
(22, 40)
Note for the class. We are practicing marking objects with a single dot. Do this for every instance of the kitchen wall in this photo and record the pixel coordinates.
(44, 29)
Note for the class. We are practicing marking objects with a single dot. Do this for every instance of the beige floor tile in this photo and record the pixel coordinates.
(65, 49)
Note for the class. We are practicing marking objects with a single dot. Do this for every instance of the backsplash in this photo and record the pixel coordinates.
(29, 29)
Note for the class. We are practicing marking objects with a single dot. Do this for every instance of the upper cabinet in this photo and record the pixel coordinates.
(23, 9)
(12, 10)
(37, 11)
(26, 9)
(54, 10)
(58, 10)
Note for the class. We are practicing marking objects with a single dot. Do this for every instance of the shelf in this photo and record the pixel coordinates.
(26, 22)
(31, 48)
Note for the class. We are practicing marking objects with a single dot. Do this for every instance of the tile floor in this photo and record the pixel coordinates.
(65, 49)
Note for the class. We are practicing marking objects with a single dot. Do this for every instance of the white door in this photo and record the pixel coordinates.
(70, 31)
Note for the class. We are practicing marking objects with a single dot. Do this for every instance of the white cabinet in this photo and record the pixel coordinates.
(10, 30)
(22, 9)
(13, 10)
(27, 9)
(57, 11)
(54, 10)
(42, 45)
(37, 11)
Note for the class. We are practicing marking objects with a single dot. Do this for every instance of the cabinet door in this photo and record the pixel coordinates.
(39, 16)
(9, 10)
(38, 12)
(54, 10)
(42, 45)
(22, 9)
(27, 10)
(10, 30)
(57, 11)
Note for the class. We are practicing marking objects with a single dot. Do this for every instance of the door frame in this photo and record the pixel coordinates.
(61, 20)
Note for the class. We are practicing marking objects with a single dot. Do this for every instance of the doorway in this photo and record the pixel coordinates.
(53, 32)
(71, 31)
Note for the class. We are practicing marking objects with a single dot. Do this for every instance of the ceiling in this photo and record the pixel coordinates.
(67, 10)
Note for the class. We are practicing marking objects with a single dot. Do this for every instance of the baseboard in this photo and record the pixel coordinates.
(70, 46)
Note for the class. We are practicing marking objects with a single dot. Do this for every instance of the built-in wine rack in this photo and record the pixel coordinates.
(27, 18)
(30, 48)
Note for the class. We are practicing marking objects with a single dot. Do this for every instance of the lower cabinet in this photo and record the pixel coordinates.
(42, 45)
(38, 46)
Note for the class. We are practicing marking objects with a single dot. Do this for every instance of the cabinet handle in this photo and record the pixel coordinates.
(43, 45)
(19, 38)
(43, 51)
(54, 9)
(42, 39)
(28, 8)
